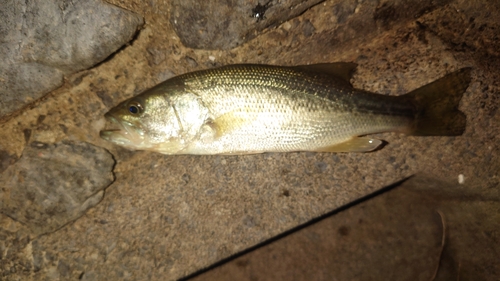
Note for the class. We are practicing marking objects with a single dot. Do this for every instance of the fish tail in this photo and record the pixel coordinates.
(436, 104)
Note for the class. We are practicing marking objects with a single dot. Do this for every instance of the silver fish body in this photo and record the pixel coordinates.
(242, 109)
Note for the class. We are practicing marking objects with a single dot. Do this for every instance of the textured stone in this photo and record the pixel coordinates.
(166, 217)
(41, 41)
(227, 24)
(53, 184)
(397, 235)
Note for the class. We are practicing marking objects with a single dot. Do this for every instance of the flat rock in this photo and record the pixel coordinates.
(53, 184)
(166, 217)
(227, 24)
(428, 224)
(41, 41)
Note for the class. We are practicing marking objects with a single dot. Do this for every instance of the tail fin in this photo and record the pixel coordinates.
(437, 105)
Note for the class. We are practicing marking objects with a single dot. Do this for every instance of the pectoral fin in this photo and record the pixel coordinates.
(230, 122)
(356, 144)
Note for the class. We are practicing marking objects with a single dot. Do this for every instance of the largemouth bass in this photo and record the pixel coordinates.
(243, 109)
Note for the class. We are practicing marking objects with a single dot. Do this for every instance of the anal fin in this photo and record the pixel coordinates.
(356, 144)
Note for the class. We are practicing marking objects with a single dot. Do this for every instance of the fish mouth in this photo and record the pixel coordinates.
(122, 132)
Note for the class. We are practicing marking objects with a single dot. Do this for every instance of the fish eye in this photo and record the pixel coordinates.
(135, 108)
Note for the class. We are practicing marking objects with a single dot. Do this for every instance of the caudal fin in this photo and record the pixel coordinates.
(437, 105)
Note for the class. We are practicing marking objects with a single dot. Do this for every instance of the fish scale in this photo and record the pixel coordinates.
(304, 120)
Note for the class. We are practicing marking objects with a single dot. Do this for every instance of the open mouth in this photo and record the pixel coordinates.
(121, 132)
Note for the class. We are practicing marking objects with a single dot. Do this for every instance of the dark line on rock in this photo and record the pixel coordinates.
(130, 42)
(295, 229)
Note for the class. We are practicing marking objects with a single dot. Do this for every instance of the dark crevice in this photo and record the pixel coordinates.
(296, 229)
(123, 47)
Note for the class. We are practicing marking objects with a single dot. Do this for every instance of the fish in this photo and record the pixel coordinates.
(252, 108)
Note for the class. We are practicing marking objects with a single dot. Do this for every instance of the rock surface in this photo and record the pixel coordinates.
(398, 235)
(41, 41)
(53, 184)
(166, 217)
(227, 24)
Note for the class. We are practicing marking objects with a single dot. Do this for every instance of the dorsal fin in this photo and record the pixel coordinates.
(342, 70)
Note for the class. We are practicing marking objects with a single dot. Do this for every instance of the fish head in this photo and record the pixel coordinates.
(144, 122)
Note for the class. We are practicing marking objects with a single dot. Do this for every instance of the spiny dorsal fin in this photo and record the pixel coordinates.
(342, 70)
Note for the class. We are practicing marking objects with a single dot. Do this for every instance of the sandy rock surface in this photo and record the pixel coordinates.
(165, 217)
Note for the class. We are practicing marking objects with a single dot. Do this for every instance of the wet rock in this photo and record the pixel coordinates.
(227, 24)
(53, 184)
(43, 40)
